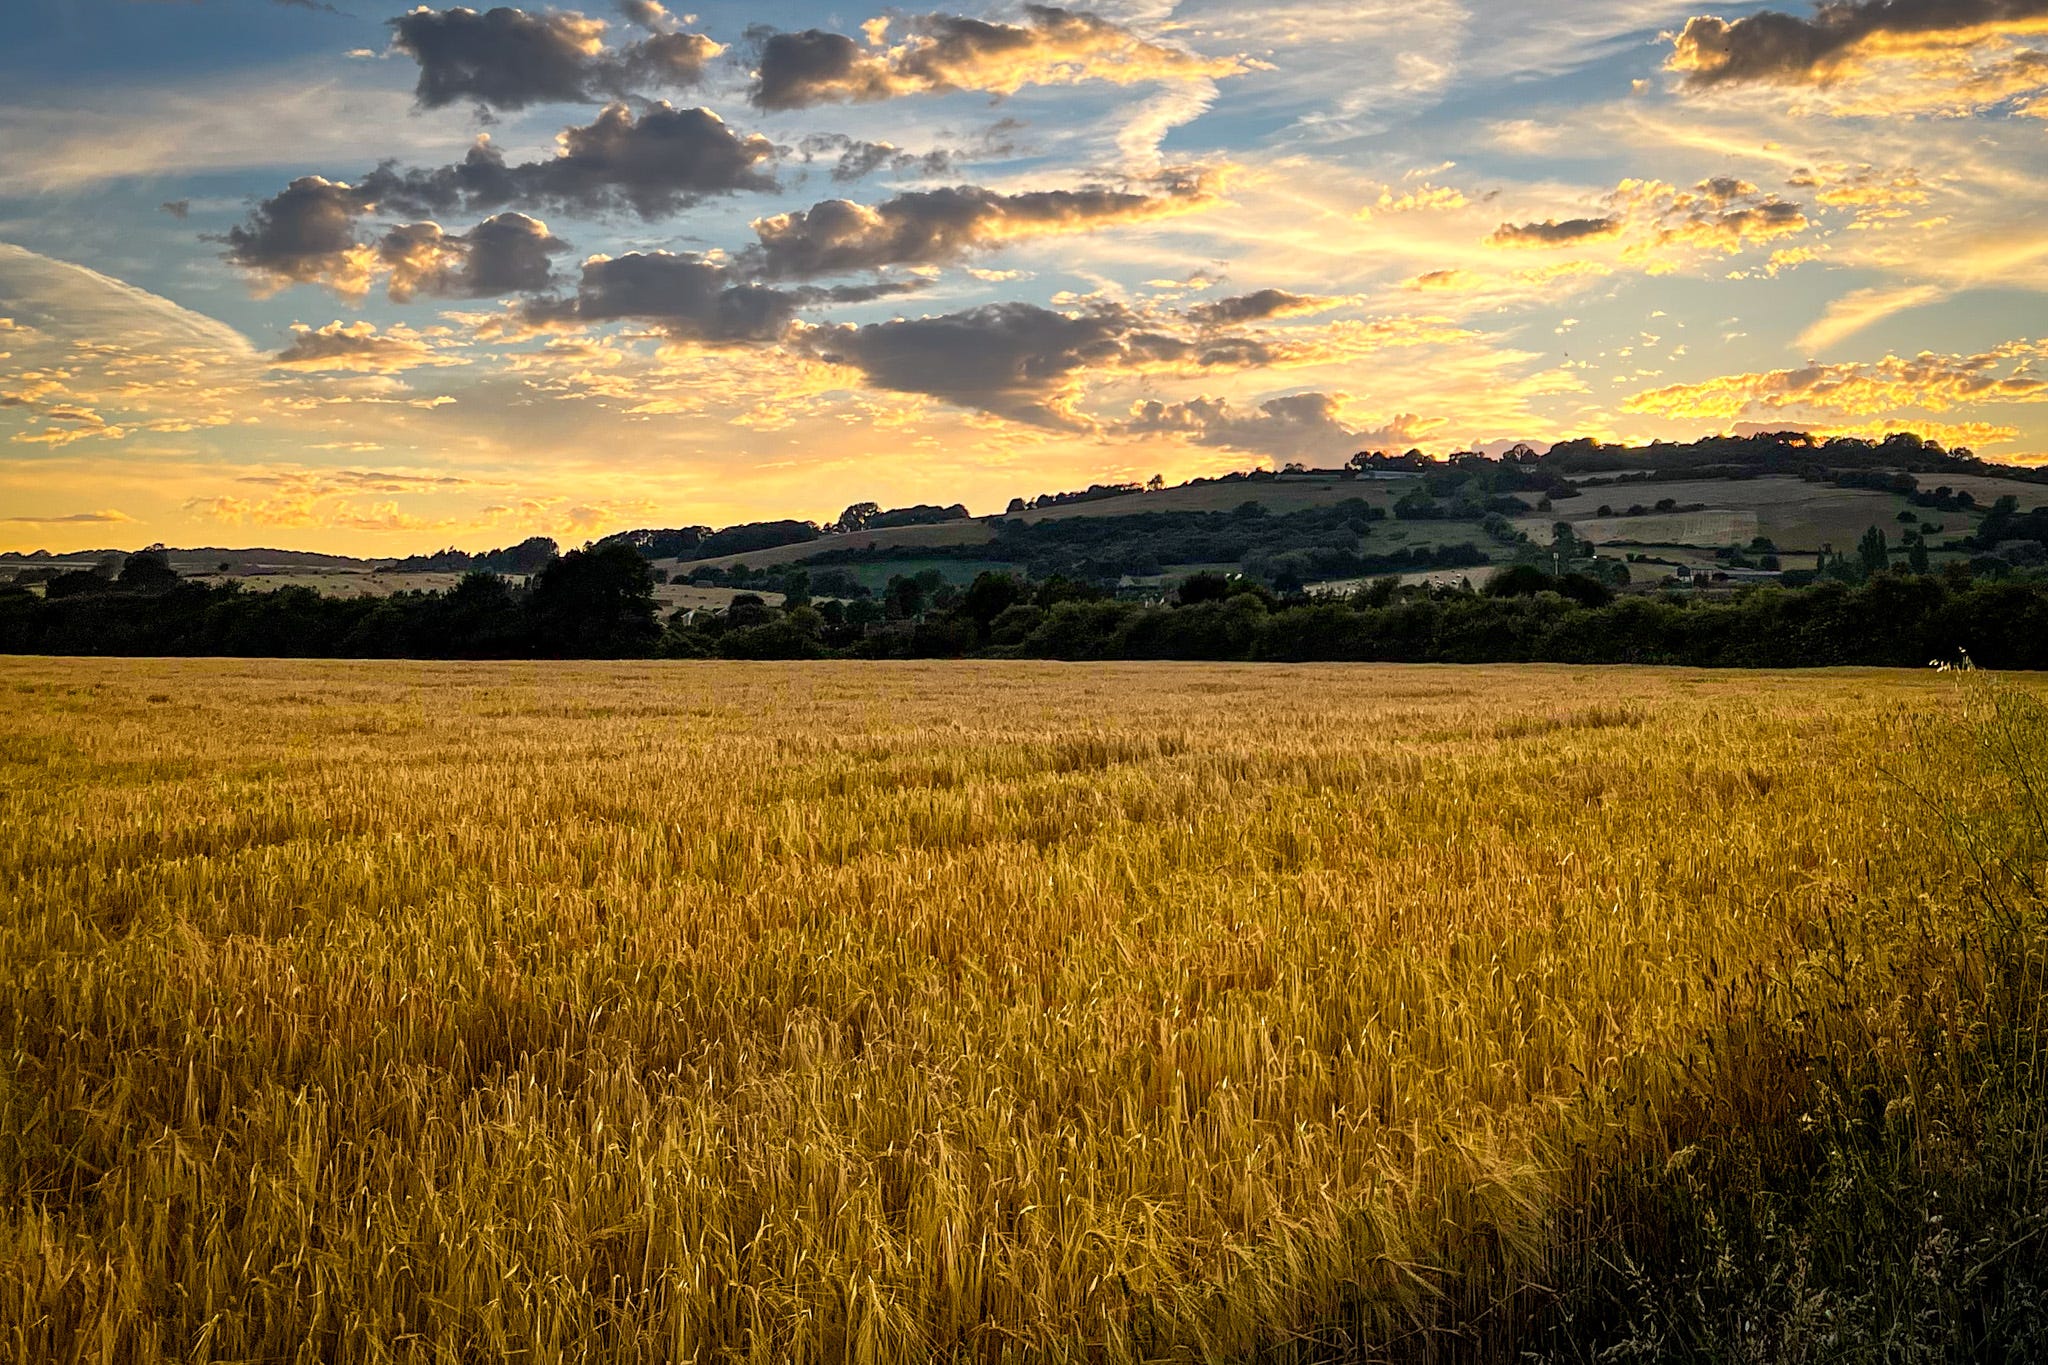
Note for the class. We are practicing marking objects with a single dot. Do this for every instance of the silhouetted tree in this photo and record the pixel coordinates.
(74, 583)
(857, 517)
(903, 598)
(748, 610)
(796, 588)
(593, 604)
(147, 571)
(1520, 580)
(1585, 590)
(479, 618)
(989, 595)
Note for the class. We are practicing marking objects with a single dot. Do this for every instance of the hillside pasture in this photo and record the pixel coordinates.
(907, 538)
(1794, 514)
(1723, 527)
(875, 577)
(1988, 490)
(1275, 495)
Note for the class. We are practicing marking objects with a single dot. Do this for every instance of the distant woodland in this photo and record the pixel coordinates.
(1478, 574)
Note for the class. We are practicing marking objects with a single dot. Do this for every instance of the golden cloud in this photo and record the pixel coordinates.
(1927, 382)
(949, 52)
(1876, 58)
(1658, 227)
(359, 347)
(1424, 198)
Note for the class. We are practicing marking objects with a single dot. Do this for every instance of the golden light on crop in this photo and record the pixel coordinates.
(863, 1012)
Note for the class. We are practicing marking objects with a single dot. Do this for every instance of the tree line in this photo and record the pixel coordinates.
(600, 603)
(587, 604)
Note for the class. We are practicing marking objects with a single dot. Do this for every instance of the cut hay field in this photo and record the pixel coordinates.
(878, 1013)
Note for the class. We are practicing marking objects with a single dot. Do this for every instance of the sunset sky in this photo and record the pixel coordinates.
(355, 279)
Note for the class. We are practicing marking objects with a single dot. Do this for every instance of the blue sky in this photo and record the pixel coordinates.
(260, 281)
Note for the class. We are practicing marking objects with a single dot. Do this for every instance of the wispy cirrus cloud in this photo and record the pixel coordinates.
(106, 517)
(70, 138)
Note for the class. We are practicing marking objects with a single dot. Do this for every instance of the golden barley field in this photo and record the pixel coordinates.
(860, 1012)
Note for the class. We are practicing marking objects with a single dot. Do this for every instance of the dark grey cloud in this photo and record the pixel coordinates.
(306, 233)
(1014, 359)
(509, 58)
(1778, 48)
(1554, 233)
(686, 296)
(928, 227)
(508, 253)
(795, 70)
(664, 160)
(179, 209)
(481, 181)
(856, 159)
(648, 14)
(860, 293)
(1301, 426)
(1256, 307)
(692, 298)
(666, 61)
(1722, 190)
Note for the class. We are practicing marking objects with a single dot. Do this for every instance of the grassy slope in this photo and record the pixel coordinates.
(1275, 495)
(892, 537)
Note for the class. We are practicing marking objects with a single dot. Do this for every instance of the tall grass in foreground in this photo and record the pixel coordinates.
(1868, 1172)
(996, 1012)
